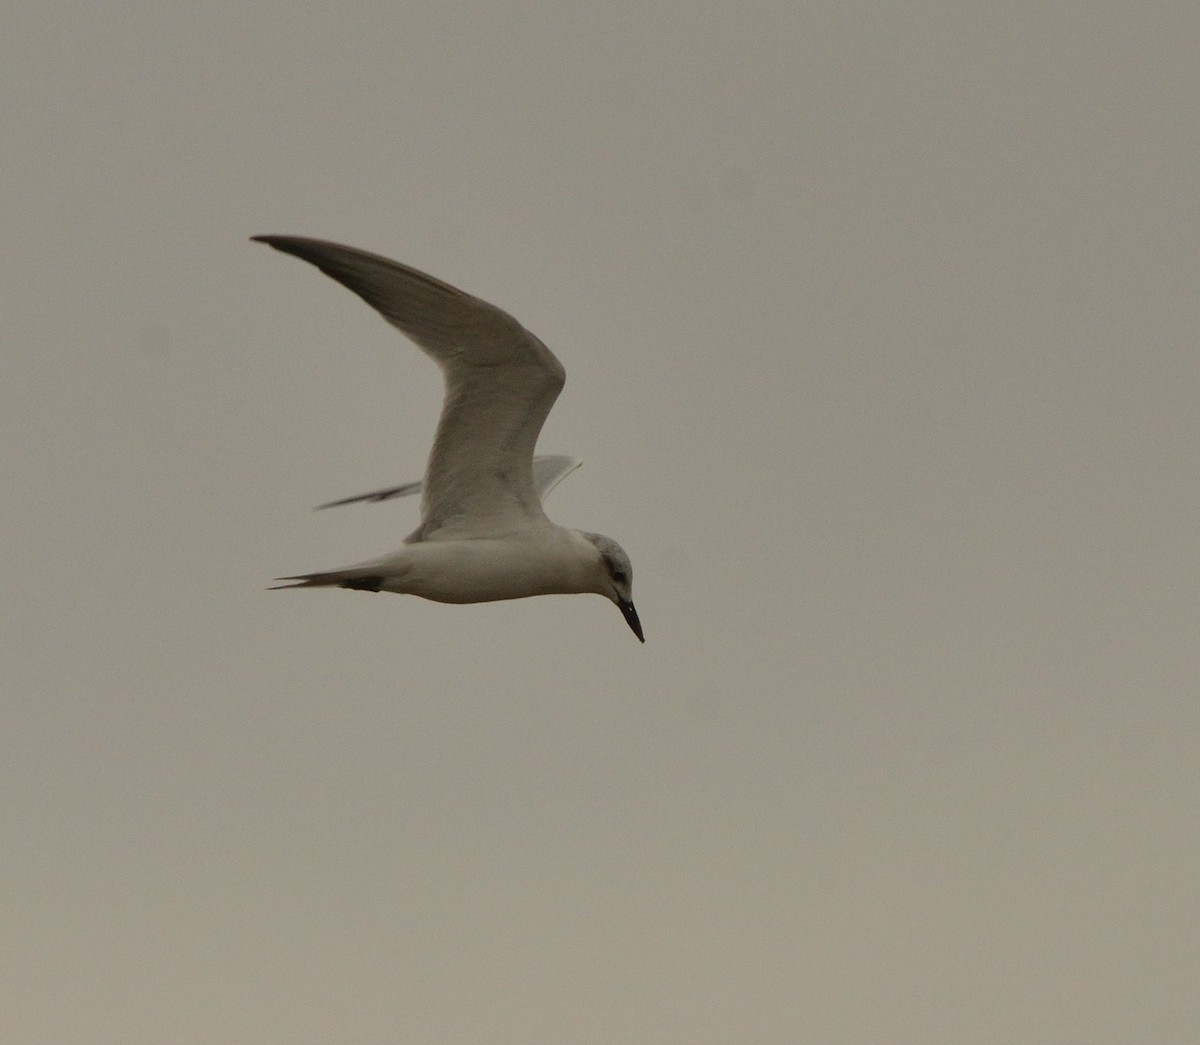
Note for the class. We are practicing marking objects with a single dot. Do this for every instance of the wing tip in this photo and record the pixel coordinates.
(273, 240)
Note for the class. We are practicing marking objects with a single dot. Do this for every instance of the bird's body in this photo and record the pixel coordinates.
(483, 535)
(541, 560)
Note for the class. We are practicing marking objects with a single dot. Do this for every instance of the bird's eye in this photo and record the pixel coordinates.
(618, 575)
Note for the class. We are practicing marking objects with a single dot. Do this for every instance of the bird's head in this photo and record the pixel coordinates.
(614, 578)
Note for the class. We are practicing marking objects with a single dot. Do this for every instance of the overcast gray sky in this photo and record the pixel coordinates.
(880, 325)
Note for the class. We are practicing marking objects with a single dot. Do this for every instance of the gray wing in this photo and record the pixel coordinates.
(548, 472)
(500, 383)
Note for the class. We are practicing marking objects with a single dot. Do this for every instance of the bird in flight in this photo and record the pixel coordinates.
(483, 535)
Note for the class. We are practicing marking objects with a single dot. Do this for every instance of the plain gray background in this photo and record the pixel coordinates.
(880, 324)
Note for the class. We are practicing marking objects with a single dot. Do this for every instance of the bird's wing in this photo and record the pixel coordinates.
(500, 383)
(548, 472)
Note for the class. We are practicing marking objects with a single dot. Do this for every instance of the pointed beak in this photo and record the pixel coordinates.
(631, 618)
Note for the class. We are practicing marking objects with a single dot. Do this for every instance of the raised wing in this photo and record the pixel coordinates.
(548, 471)
(500, 383)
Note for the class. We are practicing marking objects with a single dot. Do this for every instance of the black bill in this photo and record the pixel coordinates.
(631, 618)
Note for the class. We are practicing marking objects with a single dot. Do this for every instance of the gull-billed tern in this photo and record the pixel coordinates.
(483, 535)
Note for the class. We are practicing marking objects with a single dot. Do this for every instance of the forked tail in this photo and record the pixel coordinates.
(358, 578)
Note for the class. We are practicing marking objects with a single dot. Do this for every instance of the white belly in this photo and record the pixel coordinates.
(492, 569)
